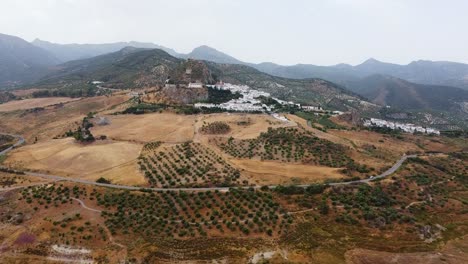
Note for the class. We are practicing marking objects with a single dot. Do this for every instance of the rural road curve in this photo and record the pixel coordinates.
(388, 172)
(21, 140)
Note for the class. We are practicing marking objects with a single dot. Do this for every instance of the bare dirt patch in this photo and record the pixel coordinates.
(271, 172)
(165, 127)
(66, 157)
(33, 103)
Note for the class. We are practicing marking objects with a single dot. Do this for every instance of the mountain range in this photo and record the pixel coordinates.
(22, 62)
(396, 92)
(69, 52)
(420, 85)
(133, 68)
(422, 72)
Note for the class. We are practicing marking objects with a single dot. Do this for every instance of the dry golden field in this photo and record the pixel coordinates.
(33, 103)
(55, 120)
(166, 127)
(336, 139)
(243, 126)
(322, 240)
(113, 160)
(26, 92)
(275, 173)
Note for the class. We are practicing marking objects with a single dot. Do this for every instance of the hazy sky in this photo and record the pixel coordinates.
(322, 32)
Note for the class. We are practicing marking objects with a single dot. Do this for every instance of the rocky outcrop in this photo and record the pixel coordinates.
(185, 95)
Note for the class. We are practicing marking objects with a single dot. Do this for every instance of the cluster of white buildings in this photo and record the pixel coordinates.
(195, 85)
(311, 108)
(410, 128)
(248, 102)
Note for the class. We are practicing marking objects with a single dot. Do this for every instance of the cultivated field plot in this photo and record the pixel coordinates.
(46, 225)
(90, 161)
(178, 214)
(244, 126)
(187, 165)
(33, 103)
(166, 127)
(287, 145)
(174, 214)
(276, 173)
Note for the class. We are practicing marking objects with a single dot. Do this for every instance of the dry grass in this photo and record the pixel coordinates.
(244, 126)
(272, 172)
(456, 251)
(33, 103)
(166, 127)
(320, 134)
(114, 160)
(26, 92)
(55, 120)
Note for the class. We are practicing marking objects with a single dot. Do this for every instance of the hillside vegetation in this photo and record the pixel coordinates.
(21, 62)
(139, 68)
(387, 90)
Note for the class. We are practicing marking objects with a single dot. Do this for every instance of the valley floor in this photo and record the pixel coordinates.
(101, 209)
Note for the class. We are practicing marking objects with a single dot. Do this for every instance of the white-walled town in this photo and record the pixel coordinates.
(406, 127)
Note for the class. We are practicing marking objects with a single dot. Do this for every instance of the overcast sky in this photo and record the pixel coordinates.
(322, 32)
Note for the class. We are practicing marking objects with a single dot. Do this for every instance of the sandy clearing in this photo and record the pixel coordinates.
(33, 103)
(273, 172)
(114, 160)
(166, 127)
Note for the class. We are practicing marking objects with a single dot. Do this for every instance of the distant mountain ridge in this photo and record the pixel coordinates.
(210, 54)
(424, 72)
(403, 86)
(420, 86)
(69, 52)
(133, 68)
(389, 90)
(22, 62)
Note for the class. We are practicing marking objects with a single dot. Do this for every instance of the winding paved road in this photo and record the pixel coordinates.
(388, 172)
(18, 143)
